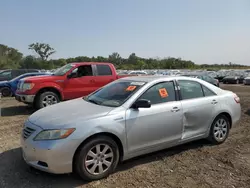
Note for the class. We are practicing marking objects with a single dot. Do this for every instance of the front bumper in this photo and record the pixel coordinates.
(25, 98)
(53, 156)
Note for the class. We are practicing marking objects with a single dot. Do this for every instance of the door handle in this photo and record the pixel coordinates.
(214, 102)
(175, 109)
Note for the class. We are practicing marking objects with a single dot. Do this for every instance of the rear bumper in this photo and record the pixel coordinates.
(25, 98)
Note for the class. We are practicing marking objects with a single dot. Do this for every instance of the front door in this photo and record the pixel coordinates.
(157, 125)
(80, 84)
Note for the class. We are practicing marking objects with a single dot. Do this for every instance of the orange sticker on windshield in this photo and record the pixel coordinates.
(130, 88)
(163, 93)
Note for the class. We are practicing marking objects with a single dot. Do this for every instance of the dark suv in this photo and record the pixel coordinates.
(12, 73)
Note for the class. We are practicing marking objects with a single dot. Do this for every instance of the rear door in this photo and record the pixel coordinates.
(81, 84)
(199, 106)
(103, 75)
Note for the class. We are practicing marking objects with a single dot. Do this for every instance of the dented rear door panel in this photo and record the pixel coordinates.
(197, 115)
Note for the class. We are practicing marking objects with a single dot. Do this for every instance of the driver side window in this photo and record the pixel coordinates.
(160, 93)
(84, 70)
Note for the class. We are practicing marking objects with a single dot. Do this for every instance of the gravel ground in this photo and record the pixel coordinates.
(197, 164)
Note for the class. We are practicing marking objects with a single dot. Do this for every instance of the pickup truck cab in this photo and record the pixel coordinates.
(71, 81)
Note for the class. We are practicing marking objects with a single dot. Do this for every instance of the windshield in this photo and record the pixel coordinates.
(114, 94)
(63, 70)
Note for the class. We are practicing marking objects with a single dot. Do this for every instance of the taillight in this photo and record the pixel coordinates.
(236, 98)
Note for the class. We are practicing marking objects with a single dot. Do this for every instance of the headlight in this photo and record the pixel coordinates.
(54, 134)
(27, 86)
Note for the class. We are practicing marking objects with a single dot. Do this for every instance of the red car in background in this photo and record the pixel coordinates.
(68, 82)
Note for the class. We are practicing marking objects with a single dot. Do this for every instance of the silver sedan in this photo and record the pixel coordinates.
(124, 119)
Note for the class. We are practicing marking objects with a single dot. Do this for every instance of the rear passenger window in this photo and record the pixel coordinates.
(207, 92)
(103, 70)
(190, 89)
(160, 93)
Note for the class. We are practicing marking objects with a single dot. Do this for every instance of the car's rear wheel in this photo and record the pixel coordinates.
(97, 158)
(6, 92)
(45, 99)
(219, 130)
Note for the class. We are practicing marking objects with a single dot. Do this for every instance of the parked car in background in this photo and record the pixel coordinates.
(203, 76)
(68, 82)
(246, 80)
(9, 74)
(138, 72)
(8, 88)
(220, 75)
(145, 114)
(233, 78)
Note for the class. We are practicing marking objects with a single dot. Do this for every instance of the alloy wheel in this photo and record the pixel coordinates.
(49, 100)
(99, 159)
(220, 129)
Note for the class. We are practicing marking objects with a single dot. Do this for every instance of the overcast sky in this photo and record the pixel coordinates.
(212, 31)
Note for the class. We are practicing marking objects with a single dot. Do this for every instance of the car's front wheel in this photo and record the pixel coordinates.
(45, 99)
(6, 92)
(97, 158)
(219, 130)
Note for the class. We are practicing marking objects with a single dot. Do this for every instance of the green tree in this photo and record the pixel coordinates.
(115, 58)
(42, 49)
(31, 62)
(9, 57)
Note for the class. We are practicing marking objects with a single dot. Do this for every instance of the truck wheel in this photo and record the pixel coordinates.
(46, 99)
(97, 158)
(6, 92)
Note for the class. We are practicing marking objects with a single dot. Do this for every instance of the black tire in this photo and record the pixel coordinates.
(6, 92)
(81, 169)
(212, 138)
(41, 97)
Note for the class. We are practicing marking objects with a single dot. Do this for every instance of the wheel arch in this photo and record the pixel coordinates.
(227, 115)
(52, 89)
(111, 135)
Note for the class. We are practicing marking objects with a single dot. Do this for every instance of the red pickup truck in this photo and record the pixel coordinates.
(68, 82)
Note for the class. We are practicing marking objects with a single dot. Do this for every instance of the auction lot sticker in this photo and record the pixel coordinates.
(163, 93)
(131, 88)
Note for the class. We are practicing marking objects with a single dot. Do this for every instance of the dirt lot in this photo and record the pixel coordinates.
(192, 165)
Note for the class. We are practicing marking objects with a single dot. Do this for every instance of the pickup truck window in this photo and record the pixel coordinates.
(103, 70)
(61, 71)
(115, 93)
(84, 70)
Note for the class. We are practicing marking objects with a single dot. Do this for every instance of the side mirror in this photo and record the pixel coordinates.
(142, 103)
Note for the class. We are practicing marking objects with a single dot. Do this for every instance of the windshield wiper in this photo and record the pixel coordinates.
(92, 101)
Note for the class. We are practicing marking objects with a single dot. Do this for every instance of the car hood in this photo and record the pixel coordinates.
(3, 83)
(67, 114)
(43, 78)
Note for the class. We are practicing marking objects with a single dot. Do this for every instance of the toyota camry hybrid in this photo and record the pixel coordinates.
(129, 117)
